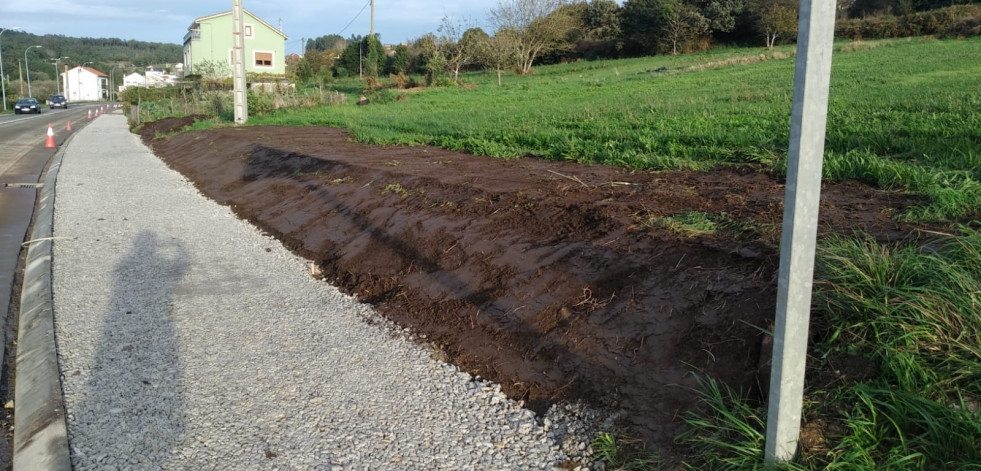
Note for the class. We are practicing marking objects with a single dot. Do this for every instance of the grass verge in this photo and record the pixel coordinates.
(911, 310)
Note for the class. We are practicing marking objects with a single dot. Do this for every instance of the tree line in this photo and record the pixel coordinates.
(99, 53)
(530, 32)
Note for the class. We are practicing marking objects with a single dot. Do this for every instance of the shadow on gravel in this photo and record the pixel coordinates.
(131, 398)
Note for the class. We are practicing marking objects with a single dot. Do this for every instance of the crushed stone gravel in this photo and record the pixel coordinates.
(188, 339)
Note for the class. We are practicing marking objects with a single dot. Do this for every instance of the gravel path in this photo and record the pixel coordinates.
(189, 340)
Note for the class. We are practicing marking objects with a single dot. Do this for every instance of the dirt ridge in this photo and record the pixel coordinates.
(541, 276)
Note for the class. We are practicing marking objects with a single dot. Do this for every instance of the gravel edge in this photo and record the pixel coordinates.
(40, 430)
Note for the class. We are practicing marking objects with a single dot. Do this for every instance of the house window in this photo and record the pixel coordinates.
(263, 59)
(248, 31)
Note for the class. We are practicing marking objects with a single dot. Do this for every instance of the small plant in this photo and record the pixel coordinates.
(623, 453)
(690, 224)
(693, 224)
(726, 432)
(400, 190)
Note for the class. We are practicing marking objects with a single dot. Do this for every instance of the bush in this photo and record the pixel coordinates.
(954, 21)
(964, 28)
(383, 96)
(371, 83)
(444, 82)
(399, 80)
(261, 102)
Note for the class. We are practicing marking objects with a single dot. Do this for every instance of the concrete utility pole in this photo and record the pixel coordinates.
(58, 75)
(28, 66)
(241, 99)
(812, 78)
(372, 17)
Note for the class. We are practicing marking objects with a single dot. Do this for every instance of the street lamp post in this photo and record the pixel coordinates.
(3, 84)
(112, 81)
(29, 93)
(58, 76)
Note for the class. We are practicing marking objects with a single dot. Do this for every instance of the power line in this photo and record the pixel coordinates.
(341, 34)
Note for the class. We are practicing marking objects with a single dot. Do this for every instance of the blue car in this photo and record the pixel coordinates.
(27, 105)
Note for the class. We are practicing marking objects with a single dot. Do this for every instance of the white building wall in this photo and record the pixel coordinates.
(82, 85)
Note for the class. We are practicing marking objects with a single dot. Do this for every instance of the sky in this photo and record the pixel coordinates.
(167, 21)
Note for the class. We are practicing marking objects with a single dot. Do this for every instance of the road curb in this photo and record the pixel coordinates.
(40, 430)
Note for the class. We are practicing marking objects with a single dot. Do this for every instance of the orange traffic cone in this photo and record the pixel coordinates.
(50, 142)
(90, 114)
(96, 112)
(69, 128)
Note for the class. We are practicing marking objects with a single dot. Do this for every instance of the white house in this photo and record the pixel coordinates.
(153, 77)
(133, 80)
(85, 84)
(157, 77)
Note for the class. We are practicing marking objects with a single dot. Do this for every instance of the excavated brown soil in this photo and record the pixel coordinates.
(542, 276)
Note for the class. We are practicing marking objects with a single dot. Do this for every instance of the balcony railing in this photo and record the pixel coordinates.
(194, 34)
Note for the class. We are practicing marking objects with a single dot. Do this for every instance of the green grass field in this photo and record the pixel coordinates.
(904, 114)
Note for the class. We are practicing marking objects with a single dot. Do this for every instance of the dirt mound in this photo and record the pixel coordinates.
(543, 276)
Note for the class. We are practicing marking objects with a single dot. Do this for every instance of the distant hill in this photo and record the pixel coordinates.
(103, 53)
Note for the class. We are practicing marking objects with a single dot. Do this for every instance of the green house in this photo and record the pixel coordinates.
(209, 40)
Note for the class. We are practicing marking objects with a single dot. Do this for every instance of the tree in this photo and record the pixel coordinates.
(639, 20)
(304, 72)
(681, 25)
(363, 55)
(434, 62)
(470, 44)
(661, 26)
(603, 19)
(775, 18)
(321, 60)
(458, 47)
(536, 26)
(375, 60)
(402, 60)
(330, 42)
(349, 62)
(497, 52)
(722, 15)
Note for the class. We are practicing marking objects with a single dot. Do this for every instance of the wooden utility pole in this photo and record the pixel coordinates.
(238, 80)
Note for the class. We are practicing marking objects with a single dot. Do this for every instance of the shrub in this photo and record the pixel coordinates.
(385, 95)
(954, 21)
(371, 83)
(399, 80)
(444, 82)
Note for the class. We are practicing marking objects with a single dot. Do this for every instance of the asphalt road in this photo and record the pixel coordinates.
(22, 159)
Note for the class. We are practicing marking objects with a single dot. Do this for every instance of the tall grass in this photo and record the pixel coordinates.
(913, 309)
